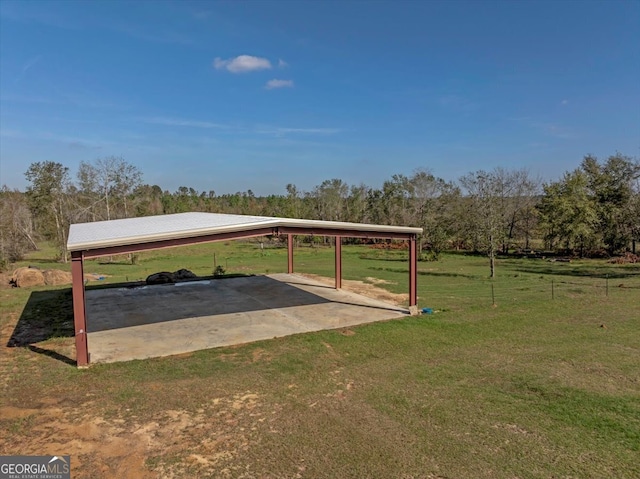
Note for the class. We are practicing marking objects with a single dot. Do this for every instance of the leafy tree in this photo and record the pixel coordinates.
(431, 202)
(294, 202)
(611, 185)
(396, 200)
(356, 205)
(633, 216)
(48, 201)
(375, 212)
(148, 200)
(568, 213)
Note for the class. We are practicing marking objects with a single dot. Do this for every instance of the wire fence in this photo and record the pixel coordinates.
(514, 290)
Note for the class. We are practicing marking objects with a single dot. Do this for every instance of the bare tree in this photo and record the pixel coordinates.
(330, 199)
(109, 183)
(517, 192)
(484, 190)
(16, 226)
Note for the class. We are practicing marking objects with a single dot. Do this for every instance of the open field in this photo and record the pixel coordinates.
(545, 383)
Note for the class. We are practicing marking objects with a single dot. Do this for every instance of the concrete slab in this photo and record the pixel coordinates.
(153, 321)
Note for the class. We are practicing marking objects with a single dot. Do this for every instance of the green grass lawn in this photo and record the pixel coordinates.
(530, 387)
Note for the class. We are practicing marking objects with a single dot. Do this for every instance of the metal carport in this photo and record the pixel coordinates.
(122, 236)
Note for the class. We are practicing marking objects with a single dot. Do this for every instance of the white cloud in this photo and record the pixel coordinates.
(272, 84)
(554, 130)
(159, 120)
(242, 64)
(547, 128)
(282, 64)
(564, 102)
(321, 131)
(282, 131)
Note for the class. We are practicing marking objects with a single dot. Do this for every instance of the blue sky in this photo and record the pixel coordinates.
(231, 96)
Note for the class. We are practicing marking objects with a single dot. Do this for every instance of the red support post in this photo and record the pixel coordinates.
(289, 253)
(79, 310)
(413, 275)
(338, 262)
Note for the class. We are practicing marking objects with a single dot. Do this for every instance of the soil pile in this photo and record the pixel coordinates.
(29, 277)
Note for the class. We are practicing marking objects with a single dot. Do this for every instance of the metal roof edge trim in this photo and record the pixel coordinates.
(256, 224)
(348, 226)
(129, 240)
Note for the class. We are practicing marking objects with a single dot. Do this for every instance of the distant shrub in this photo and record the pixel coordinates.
(628, 258)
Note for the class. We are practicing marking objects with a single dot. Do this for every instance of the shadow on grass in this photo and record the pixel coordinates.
(46, 315)
(53, 354)
(116, 263)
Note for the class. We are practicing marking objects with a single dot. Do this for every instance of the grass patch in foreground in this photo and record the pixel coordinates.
(530, 388)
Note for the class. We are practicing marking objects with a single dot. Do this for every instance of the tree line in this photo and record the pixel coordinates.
(592, 209)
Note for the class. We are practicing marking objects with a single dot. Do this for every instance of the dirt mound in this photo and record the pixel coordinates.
(55, 277)
(27, 277)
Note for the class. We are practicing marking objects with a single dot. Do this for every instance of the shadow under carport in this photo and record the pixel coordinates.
(165, 320)
(136, 321)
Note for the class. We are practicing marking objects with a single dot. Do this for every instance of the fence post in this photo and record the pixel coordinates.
(553, 293)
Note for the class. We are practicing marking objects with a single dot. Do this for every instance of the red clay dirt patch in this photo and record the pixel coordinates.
(365, 289)
(169, 443)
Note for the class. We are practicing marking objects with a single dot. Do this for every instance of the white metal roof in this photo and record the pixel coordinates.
(145, 229)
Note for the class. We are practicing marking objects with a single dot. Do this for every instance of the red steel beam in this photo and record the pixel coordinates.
(343, 232)
(79, 309)
(338, 262)
(170, 243)
(289, 253)
(413, 272)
